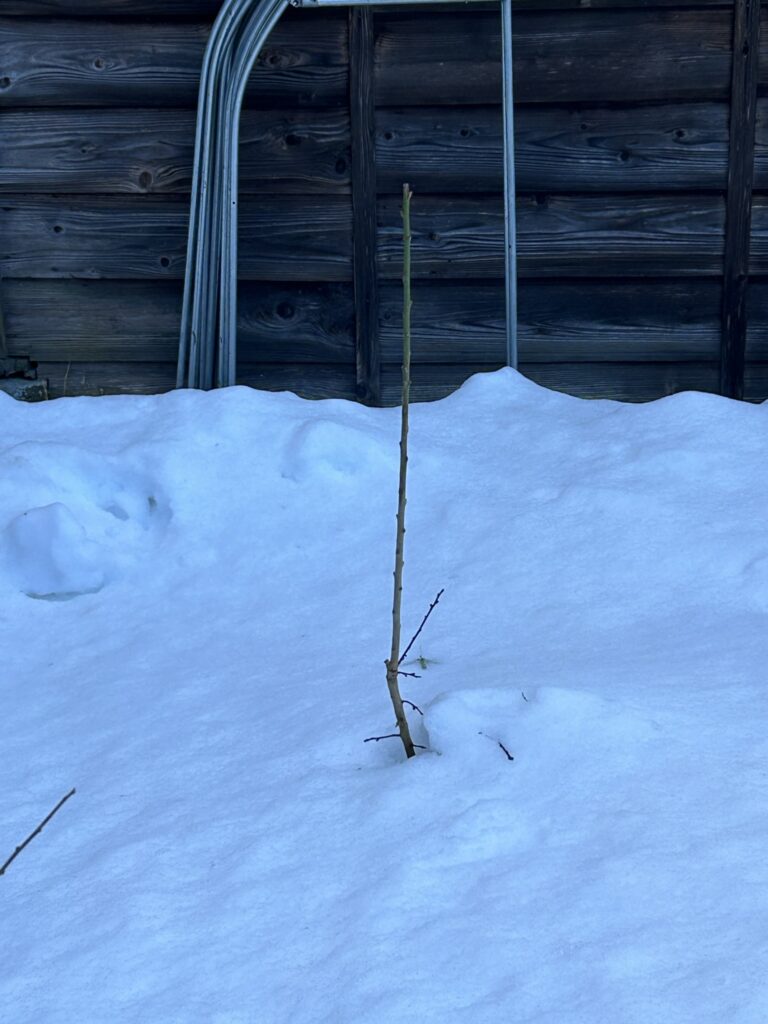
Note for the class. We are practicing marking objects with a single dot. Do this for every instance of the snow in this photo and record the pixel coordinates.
(195, 600)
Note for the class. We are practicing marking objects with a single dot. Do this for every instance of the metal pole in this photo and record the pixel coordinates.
(253, 38)
(192, 337)
(510, 213)
(208, 337)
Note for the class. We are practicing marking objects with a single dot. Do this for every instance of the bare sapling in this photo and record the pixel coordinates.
(393, 662)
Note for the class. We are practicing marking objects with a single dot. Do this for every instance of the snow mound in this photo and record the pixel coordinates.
(48, 554)
(548, 725)
(332, 449)
(71, 520)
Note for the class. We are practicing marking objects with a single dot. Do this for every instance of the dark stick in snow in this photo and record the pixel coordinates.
(431, 608)
(37, 832)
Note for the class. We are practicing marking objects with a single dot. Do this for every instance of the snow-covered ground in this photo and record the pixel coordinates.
(195, 600)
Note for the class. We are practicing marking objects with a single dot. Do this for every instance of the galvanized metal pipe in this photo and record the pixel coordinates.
(208, 337)
(224, 30)
(510, 189)
(253, 38)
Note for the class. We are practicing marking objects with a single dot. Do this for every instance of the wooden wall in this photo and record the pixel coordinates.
(622, 137)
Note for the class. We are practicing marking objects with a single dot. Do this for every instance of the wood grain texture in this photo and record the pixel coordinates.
(155, 378)
(138, 321)
(634, 382)
(617, 98)
(568, 57)
(757, 321)
(287, 238)
(761, 137)
(746, 35)
(758, 252)
(209, 8)
(283, 238)
(756, 382)
(570, 236)
(362, 121)
(659, 147)
(634, 321)
(69, 62)
(143, 151)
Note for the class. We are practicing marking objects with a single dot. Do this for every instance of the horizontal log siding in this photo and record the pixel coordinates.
(622, 148)
(137, 321)
(68, 62)
(149, 152)
(287, 238)
(208, 8)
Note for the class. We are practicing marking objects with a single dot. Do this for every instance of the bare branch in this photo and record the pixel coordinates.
(37, 832)
(393, 663)
(509, 756)
(414, 706)
(431, 608)
(409, 675)
(391, 736)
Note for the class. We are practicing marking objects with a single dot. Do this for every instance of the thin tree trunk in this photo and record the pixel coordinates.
(394, 657)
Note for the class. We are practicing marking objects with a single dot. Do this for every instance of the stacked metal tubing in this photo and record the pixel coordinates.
(207, 346)
(208, 338)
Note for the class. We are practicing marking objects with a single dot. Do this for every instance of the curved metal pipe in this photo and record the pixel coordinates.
(208, 336)
(254, 36)
(222, 35)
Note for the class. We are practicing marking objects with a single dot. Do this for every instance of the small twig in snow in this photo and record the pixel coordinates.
(391, 736)
(431, 608)
(37, 832)
(491, 738)
(524, 697)
(410, 675)
(414, 706)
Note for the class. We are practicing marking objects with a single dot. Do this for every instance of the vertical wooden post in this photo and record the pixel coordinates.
(362, 121)
(738, 215)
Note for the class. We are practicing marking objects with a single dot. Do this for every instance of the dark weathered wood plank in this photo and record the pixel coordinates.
(576, 236)
(208, 8)
(69, 379)
(362, 121)
(757, 322)
(761, 137)
(136, 321)
(634, 321)
(150, 151)
(634, 382)
(112, 8)
(655, 147)
(659, 147)
(283, 238)
(567, 56)
(286, 238)
(738, 214)
(572, 56)
(758, 251)
(113, 63)
(139, 321)
(756, 382)
(626, 382)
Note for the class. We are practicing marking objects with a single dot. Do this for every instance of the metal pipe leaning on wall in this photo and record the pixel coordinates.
(208, 337)
(200, 365)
